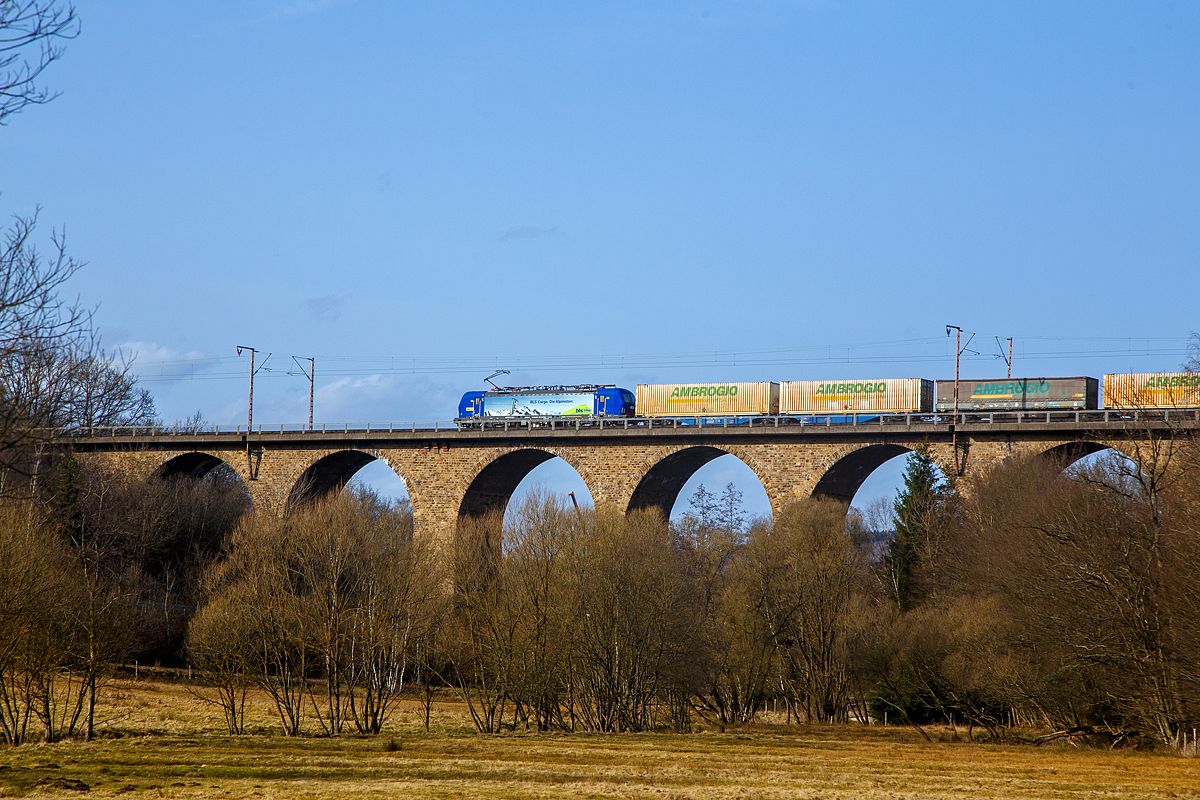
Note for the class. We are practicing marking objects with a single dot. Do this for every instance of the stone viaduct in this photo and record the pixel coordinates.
(629, 464)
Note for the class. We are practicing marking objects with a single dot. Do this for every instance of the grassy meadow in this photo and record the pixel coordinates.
(159, 740)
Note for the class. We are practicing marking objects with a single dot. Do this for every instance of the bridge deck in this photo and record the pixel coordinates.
(1102, 423)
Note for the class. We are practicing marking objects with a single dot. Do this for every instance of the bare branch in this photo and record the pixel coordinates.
(31, 36)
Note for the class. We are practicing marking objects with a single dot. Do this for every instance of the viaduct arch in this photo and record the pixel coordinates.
(494, 483)
(843, 478)
(1070, 452)
(327, 475)
(194, 465)
(663, 475)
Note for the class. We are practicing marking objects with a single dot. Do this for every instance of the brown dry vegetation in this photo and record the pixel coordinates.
(157, 739)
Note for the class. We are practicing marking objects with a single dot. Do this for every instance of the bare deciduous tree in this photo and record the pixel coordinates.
(335, 600)
(586, 620)
(737, 656)
(799, 574)
(30, 578)
(1092, 576)
(221, 647)
(484, 633)
(31, 36)
(639, 624)
(54, 375)
(53, 372)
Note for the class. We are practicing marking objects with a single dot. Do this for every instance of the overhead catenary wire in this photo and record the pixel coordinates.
(912, 352)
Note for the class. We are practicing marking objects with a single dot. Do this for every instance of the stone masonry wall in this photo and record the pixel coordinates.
(438, 478)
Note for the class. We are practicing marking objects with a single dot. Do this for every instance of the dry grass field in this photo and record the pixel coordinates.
(158, 740)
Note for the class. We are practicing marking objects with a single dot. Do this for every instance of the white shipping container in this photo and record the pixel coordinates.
(693, 399)
(889, 396)
(1152, 390)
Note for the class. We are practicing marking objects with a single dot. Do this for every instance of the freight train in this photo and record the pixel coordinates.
(798, 398)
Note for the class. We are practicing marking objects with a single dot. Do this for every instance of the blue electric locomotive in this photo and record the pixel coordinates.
(548, 401)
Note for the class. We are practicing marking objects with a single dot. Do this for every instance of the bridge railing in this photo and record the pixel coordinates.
(277, 428)
(830, 420)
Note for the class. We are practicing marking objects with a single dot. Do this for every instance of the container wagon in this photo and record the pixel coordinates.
(548, 401)
(889, 396)
(1152, 390)
(699, 399)
(1019, 394)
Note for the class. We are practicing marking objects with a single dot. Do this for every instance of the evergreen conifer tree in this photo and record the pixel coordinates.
(920, 496)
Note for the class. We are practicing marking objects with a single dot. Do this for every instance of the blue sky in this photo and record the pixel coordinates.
(416, 193)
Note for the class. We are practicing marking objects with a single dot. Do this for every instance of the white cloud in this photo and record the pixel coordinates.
(150, 361)
(360, 398)
(346, 399)
(155, 353)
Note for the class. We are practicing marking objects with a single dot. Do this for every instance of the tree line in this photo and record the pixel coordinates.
(1035, 604)
(98, 568)
(1039, 600)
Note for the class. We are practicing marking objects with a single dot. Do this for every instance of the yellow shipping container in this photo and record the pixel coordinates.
(692, 399)
(1152, 390)
(892, 396)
